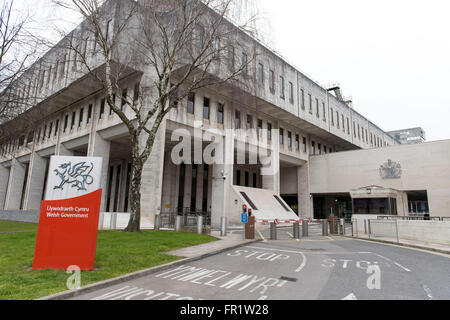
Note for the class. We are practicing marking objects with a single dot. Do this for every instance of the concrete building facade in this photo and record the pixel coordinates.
(301, 123)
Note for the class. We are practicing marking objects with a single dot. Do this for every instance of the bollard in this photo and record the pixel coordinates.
(324, 228)
(178, 223)
(273, 231)
(200, 225)
(305, 228)
(223, 227)
(113, 222)
(157, 222)
(343, 226)
(296, 230)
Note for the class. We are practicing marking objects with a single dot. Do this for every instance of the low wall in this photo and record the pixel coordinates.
(20, 216)
(426, 232)
(121, 222)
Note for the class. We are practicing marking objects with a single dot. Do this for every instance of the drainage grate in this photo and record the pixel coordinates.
(289, 279)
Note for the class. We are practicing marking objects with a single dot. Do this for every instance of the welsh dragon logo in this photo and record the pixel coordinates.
(77, 175)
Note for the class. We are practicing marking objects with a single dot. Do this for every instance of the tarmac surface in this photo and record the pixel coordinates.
(316, 268)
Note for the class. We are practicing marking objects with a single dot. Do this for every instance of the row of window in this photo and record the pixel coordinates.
(337, 119)
(70, 121)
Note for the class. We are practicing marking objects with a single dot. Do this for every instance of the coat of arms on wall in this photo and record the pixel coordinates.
(391, 170)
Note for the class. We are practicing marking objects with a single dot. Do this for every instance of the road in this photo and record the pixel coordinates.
(320, 268)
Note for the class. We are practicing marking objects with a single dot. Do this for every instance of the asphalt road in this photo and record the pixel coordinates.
(320, 268)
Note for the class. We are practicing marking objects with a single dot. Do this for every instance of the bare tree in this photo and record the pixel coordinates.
(179, 46)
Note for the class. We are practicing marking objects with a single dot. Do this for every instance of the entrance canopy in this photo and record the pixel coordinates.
(266, 205)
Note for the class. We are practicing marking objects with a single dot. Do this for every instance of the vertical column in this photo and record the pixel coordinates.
(35, 183)
(99, 147)
(305, 206)
(220, 190)
(152, 178)
(271, 176)
(15, 185)
(112, 195)
(122, 186)
(199, 186)
(4, 177)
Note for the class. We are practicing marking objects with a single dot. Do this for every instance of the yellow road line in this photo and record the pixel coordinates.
(262, 237)
(290, 234)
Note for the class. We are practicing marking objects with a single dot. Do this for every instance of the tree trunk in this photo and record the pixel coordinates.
(134, 225)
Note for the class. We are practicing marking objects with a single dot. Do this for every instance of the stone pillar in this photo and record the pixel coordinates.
(4, 177)
(305, 202)
(99, 147)
(35, 183)
(152, 178)
(271, 176)
(220, 195)
(15, 185)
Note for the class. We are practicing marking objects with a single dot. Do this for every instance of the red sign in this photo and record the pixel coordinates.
(67, 233)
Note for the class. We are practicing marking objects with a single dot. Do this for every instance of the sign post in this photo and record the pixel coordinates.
(69, 217)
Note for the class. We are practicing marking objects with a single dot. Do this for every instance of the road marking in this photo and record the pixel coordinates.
(428, 292)
(290, 234)
(351, 296)
(301, 253)
(394, 262)
(262, 237)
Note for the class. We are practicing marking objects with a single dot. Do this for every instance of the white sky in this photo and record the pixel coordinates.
(392, 57)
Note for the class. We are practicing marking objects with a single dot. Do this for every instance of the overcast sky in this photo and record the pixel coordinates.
(392, 57)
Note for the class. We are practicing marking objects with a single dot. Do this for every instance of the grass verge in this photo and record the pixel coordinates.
(118, 253)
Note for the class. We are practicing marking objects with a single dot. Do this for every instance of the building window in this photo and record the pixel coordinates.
(237, 120)
(343, 123)
(269, 131)
(247, 179)
(317, 108)
(272, 82)
(124, 99)
(281, 136)
(337, 120)
(66, 122)
(291, 92)
(281, 87)
(73, 120)
(80, 120)
(89, 113)
(220, 112)
(238, 177)
(102, 108)
(324, 112)
(297, 142)
(313, 148)
(244, 63)
(289, 139)
(249, 122)
(191, 103)
(206, 110)
(332, 116)
(304, 145)
(348, 125)
(136, 93)
(310, 103)
(319, 148)
(302, 99)
(260, 128)
(261, 74)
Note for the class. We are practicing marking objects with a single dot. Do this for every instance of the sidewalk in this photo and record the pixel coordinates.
(407, 243)
(224, 243)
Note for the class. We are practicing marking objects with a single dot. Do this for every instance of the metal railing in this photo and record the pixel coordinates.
(414, 218)
(189, 218)
(383, 228)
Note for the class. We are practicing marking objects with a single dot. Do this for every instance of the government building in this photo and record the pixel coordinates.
(326, 158)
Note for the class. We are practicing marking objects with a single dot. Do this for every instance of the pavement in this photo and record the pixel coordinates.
(316, 268)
